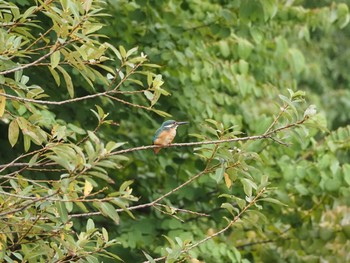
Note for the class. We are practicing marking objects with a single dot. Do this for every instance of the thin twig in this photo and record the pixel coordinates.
(155, 202)
(128, 103)
(58, 46)
(167, 213)
(232, 222)
(175, 209)
(27, 205)
(283, 109)
(239, 139)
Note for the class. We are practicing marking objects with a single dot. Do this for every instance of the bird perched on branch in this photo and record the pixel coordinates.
(166, 134)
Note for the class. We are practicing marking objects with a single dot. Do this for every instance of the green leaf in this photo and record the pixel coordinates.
(343, 15)
(115, 50)
(244, 48)
(27, 142)
(90, 225)
(219, 173)
(149, 79)
(346, 230)
(105, 234)
(151, 65)
(346, 172)
(171, 242)
(112, 255)
(122, 205)
(101, 175)
(297, 60)
(92, 29)
(55, 75)
(110, 211)
(124, 185)
(224, 48)
(161, 113)
(149, 258)
(122, 52)
(93, 137)
(149, 95)
(64, 162)
(101, 112)
(179, 241)
(289, 103)
(110, 146)
(230, 208)
(270, 8)
(91, 259)
(138, 82)
(247, 187)
(131, 51)
(62, 211)
(272, 200)
(96, 114)
(68, 80)
(33, 160)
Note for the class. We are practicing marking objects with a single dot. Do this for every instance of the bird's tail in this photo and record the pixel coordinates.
(156, 150)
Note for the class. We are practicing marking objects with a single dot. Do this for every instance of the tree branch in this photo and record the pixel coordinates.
(27, 205)
(155, 202)
(233, 221)
(267, 135)
(91, 96)
(58, 46)
(175, 209)
(283, 109)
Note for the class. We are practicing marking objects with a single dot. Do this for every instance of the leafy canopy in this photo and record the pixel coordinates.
(261, 173)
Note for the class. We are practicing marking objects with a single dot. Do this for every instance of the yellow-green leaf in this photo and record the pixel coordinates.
(122, 51)
(55, 58)
(228, 181)
(2, 103)
(13, 132)
(161, 113)
(55, 76)
(87, 188)
(26, 141)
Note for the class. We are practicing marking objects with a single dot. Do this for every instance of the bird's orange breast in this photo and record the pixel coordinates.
(165, 137)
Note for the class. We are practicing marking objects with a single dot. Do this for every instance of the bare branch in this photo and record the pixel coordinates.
(232, 222)
(283, 109)
(236, 218)
(169, 214)
(128, 103)
(182, 210)
(267, 135)
(155, 202)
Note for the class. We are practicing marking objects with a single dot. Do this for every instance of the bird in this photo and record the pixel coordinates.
(166, 133)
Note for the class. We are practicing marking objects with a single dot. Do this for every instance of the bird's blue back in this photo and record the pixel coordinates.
(162, 128)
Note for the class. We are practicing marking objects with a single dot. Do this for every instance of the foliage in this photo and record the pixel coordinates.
(262, 175)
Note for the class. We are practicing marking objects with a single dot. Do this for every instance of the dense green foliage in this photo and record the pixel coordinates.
(84, 85)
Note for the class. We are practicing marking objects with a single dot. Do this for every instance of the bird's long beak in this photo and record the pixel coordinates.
(182, 122)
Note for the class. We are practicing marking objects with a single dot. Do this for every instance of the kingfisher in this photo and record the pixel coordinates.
(166, 133)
